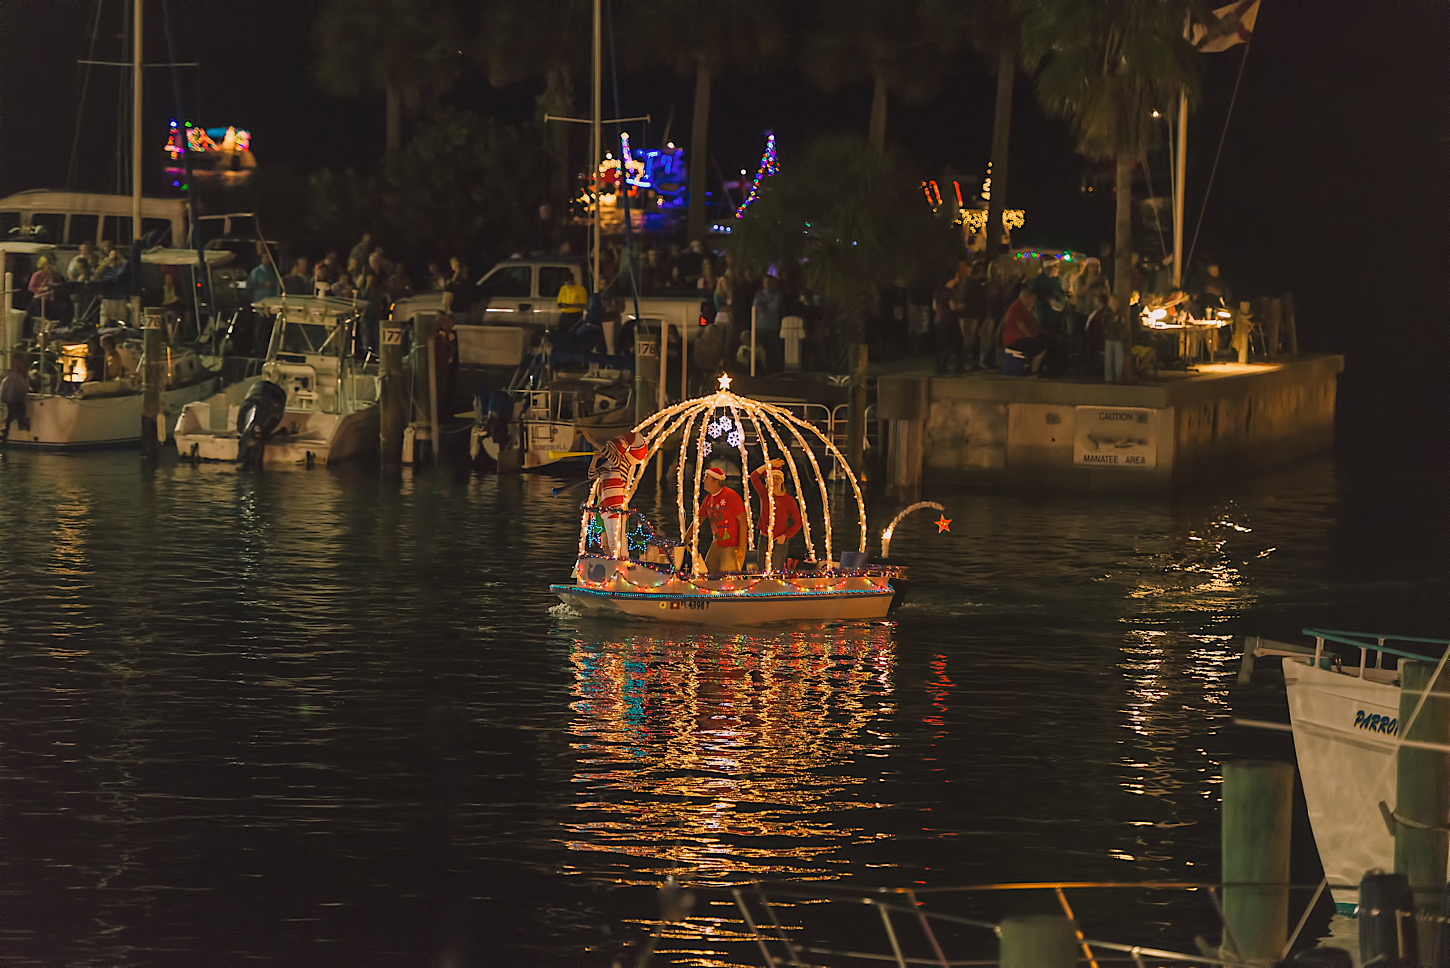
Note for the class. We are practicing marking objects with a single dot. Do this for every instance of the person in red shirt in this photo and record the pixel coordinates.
(725, 511)
(787, 521)
(1020, 330)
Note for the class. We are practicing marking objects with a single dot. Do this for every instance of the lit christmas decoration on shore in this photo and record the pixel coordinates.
(768, 166)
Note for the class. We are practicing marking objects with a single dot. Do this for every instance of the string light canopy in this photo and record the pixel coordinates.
(724, 422)
(769, 165)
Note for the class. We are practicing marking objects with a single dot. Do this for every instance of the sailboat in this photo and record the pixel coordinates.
(72, 404)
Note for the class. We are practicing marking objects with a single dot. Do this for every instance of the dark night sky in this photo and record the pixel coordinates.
(1331, 182)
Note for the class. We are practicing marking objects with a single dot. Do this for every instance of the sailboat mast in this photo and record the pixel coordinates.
(136, 146)
(595, 136)
(1179, 168)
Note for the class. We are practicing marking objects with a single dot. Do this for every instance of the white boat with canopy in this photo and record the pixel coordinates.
(315, 402)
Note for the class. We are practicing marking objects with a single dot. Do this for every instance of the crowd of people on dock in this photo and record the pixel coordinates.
(1054, 315)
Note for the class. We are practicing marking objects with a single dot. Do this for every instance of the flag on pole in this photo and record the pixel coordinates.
(1231, 25)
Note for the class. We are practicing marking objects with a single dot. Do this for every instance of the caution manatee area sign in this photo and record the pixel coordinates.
(1119, 437)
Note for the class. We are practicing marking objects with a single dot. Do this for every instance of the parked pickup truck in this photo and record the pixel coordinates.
(517, 302)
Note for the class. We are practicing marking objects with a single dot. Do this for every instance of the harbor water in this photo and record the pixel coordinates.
(336, 718)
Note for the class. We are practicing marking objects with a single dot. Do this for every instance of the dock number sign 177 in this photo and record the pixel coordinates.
(1123, 437)
(392, 336)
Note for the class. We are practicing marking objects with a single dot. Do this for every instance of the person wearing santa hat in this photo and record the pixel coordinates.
(612, 466)
(780, 514)
(725, 511)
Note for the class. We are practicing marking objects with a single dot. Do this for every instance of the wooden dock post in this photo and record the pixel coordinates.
(1421, 805)
(1387, 938)
(903, 401)
(1289, 324)
(425, 341)
(393, 402)
(1037, 941)
(153, 377)
(649, 345)
(1257, 805)
(856, 419)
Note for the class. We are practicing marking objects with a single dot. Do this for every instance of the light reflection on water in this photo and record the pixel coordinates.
(724, 757)
(337, 718)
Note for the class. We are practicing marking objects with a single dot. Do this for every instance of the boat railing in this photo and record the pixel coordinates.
(1372, 644)
(793, 924)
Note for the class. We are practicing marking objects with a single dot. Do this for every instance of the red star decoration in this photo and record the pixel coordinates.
(943, 523)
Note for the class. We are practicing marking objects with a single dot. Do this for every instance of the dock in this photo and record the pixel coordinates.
(1180, 428)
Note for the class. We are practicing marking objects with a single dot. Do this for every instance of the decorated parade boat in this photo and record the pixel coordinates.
(626, 567)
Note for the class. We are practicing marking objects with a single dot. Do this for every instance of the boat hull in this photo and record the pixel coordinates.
(638, 590)
(97, 420)
(206, 431)
(1346, 757)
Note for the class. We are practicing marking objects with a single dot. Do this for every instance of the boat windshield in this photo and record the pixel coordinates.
(307, 337)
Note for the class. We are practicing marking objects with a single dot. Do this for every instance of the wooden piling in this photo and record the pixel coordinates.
(1292, 330)
(153, 376)
(425, 336)
(1273, 324)
(1421, 803)
(856, 419)
(903, 401)
(648, 368)
(1037, 941)
(393, 399)
(1257, 804)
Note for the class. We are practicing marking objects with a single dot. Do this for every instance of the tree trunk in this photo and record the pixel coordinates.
(559, 101)
(394, 101)
(1123, 230)
(1001, 131)
(699, 152)
(877, 133)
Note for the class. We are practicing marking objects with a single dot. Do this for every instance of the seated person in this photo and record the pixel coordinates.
(115, 364)
(1021, 332)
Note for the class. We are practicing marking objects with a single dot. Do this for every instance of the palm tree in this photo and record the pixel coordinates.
(991, 28)
(866, 40)
(703, 40)
(403, 49)
(852, 218)
(1106, 66)
(548, 39)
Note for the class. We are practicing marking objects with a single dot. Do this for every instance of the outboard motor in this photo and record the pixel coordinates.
(257, 419)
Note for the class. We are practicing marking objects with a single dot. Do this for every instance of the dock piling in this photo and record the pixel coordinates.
(1257, 807)
(1421, 802)
(393, 406)
(1037, 941)
(856, 432)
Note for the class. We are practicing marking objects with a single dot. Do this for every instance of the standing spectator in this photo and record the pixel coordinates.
(115, 280)
(362, 250)
(1051, 298)
(262, 280)
(299, 280)
(83, 266)
(971, 300)
(43, 283)
(945, 324)
(14, 392)
(464, 294)
(570, 302)
(1117, 334)
(767, 323)
(399, 285)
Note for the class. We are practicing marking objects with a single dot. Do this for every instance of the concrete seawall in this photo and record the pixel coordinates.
(1182, 428)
